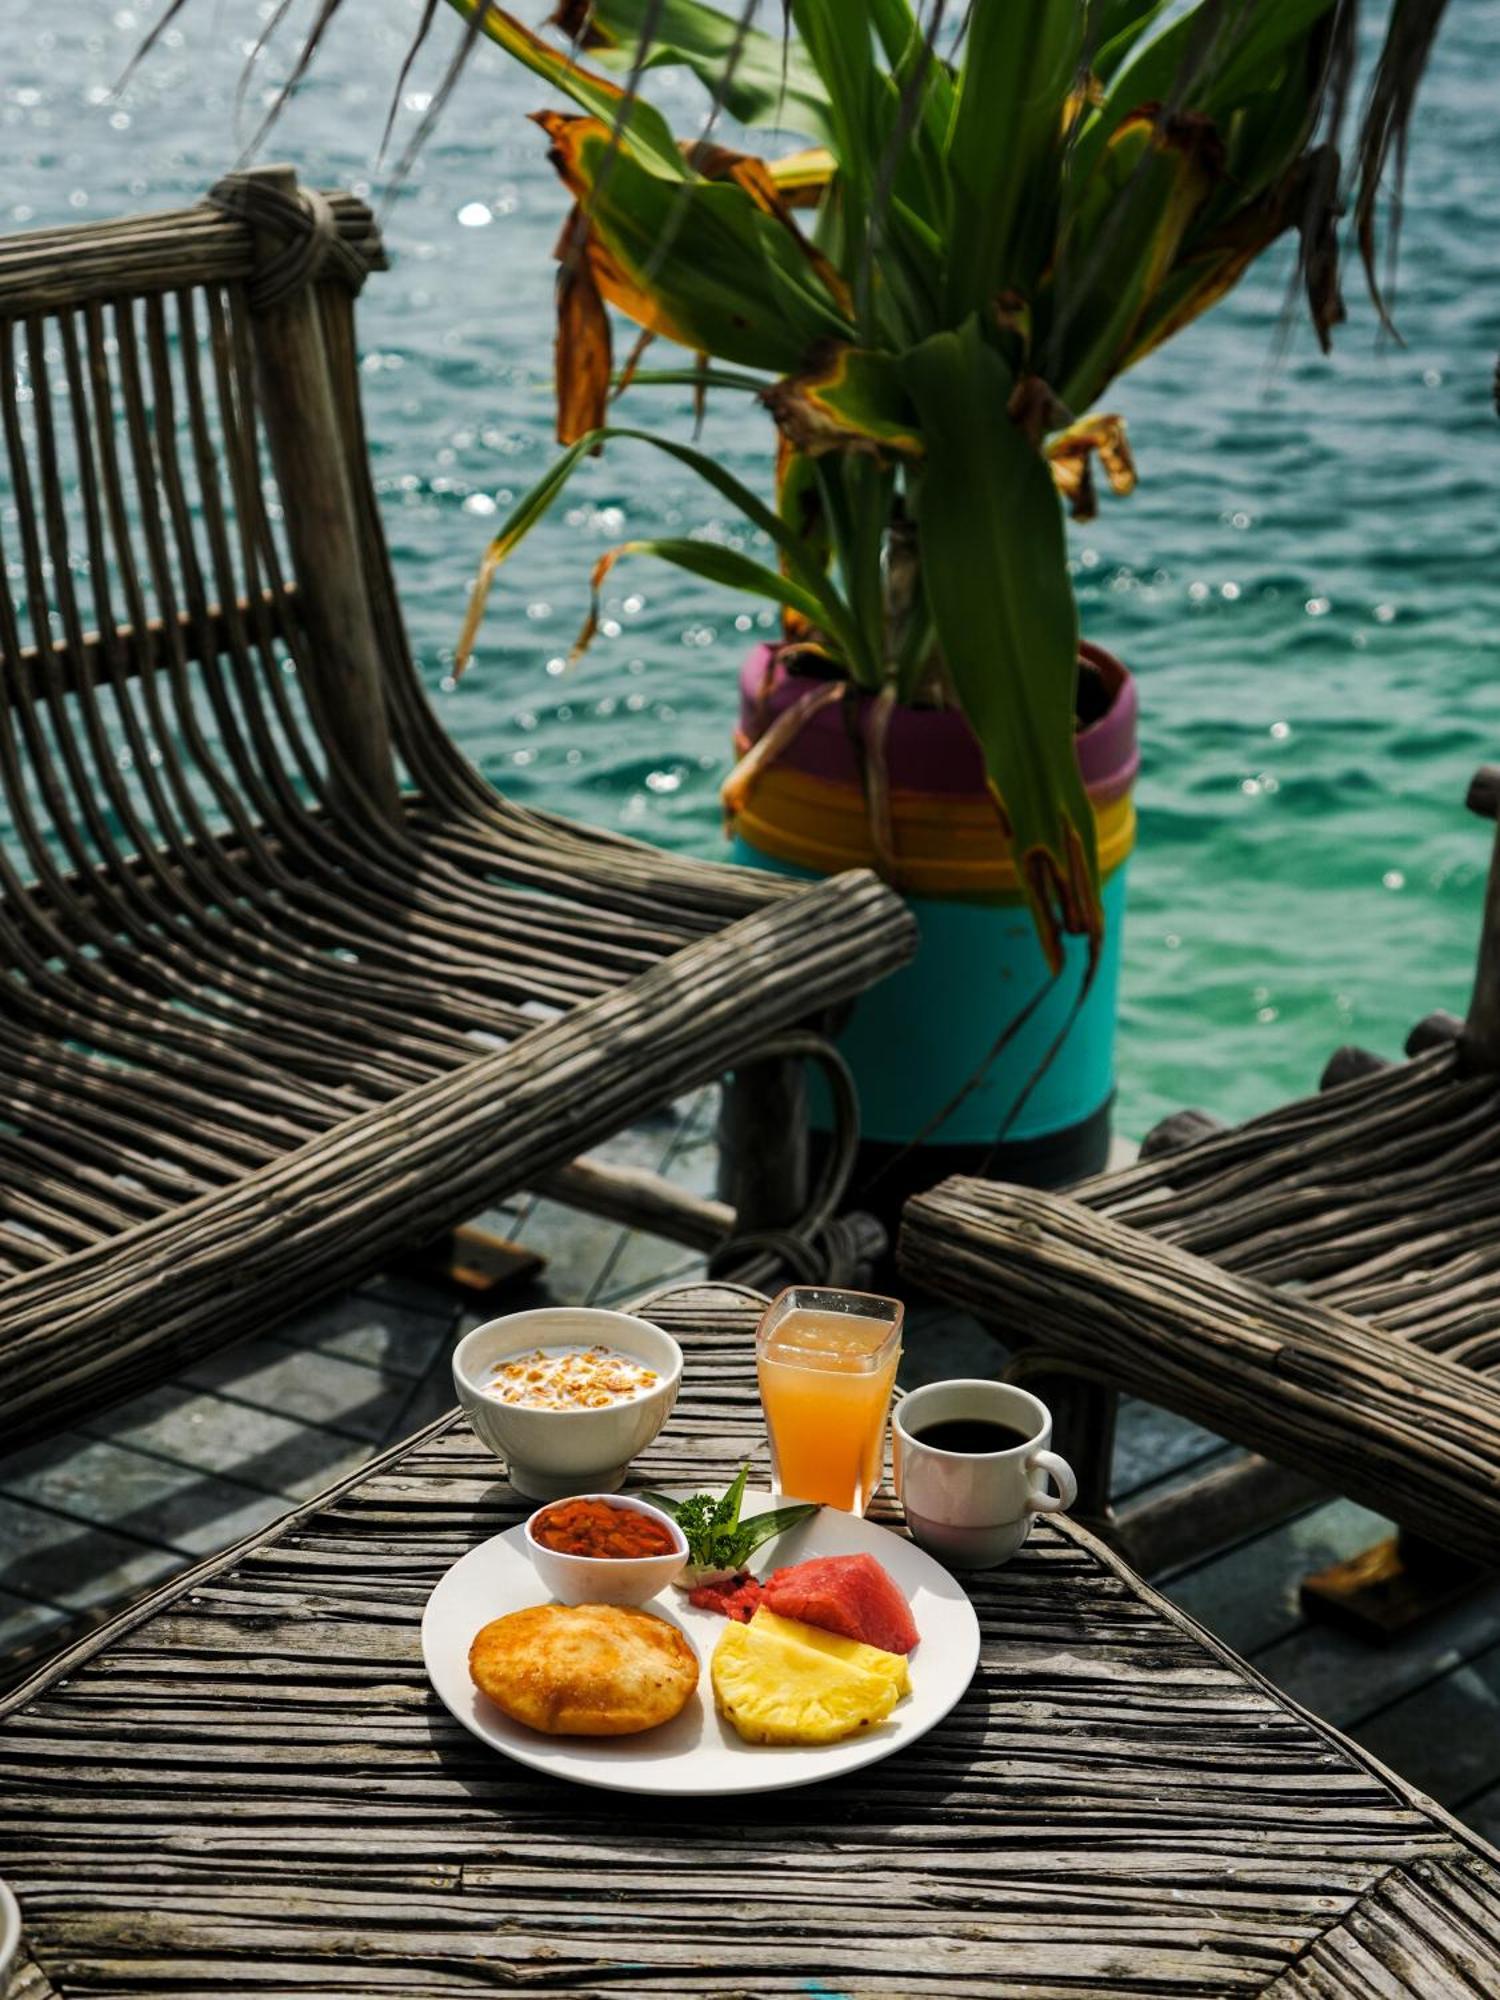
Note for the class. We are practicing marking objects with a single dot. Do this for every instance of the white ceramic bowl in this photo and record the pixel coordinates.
(608, 1579)
(553, 1454)
(10, 1936)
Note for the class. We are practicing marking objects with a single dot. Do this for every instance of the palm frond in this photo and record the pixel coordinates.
(1385, 127)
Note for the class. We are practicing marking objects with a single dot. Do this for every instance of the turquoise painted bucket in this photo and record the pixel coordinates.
(915, 1040)
(923, 1043)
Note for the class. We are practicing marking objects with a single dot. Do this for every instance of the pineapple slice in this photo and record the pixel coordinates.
(868, 1659)
(779, 1681)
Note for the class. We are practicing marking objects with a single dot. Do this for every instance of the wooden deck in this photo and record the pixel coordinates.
(95, 1517)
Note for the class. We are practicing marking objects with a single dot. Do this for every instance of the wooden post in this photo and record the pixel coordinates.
(763, 1142)
(343, 671)
(1480, 1041)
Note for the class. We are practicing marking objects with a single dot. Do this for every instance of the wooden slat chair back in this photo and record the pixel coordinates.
(1321, 1284)
(286, 983)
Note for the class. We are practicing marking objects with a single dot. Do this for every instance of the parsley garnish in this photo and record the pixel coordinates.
(717, 1538)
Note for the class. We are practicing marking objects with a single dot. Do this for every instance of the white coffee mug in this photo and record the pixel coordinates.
(976, 1508)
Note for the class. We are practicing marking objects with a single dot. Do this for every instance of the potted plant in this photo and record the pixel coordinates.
(929, 299)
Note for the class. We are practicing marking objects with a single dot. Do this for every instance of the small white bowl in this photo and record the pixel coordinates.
(608, 1579)
(554, 1454)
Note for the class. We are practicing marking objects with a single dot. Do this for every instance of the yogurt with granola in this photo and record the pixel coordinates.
(569, 1378)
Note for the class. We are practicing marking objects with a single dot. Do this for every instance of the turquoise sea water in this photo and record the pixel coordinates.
(1307, 581)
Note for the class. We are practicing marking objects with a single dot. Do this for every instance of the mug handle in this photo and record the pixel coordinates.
(1040, 1501)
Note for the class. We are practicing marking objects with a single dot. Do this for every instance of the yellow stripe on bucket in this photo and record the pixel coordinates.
(946, 845)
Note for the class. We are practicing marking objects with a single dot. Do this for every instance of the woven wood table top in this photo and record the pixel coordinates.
(245, 1785)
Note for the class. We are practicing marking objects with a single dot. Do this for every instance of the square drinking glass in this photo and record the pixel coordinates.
(826, 1362)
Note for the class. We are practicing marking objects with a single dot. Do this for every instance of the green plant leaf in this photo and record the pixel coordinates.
(857, 494)
(994, 564)
(817, 597)
(1268, 38)
(716, 1536)
(758, 79)
(921, 75)
(727, 1514)
(641, 125)
(837, 41)
(1212, 262)
(697, 378)
(1204, 59)
(878, 169)
(1121, 240)
(1114, 29)
(715, 563)
(780, 1521)
(1004, 149)
(849, 399)
(903, 38)
(697, 261)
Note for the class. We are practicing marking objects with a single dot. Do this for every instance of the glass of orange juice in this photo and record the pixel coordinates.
(827, 1366)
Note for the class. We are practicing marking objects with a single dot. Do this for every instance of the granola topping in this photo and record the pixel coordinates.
(570, 1378)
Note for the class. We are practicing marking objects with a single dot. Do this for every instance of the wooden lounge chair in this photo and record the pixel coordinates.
(1321, 1285)
(288, 987)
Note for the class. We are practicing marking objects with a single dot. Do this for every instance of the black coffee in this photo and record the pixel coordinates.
(972, 1434)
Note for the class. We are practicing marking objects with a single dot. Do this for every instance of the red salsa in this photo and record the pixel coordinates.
(595, 1528)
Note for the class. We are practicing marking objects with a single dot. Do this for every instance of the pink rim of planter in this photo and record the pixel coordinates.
(927, 750)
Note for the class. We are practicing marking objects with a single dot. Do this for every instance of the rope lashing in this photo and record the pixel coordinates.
(312, 246)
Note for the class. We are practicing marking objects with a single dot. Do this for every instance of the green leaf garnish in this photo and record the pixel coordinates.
(716, 1536)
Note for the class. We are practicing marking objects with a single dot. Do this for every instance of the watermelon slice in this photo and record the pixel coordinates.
(736, 1597)
(850, 1595)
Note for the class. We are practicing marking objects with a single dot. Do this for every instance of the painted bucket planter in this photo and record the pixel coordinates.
(916, 1039)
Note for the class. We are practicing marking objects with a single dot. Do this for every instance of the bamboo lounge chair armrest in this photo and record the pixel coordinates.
(1406, 1432)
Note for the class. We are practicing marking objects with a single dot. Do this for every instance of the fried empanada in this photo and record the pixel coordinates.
(584, 1669)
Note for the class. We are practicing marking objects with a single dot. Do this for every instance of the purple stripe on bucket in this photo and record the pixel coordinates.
(929, 749)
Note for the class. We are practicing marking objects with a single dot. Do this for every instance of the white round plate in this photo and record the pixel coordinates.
(698, 1755)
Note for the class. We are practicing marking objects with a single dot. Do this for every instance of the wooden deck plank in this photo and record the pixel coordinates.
(63, 1562)
(24, 1623)
(343, 1396)
(1447, 1732)
(1154, 1448)
(577, 1247)
(1249, 1594)
(643, 1264)
(1483, 1814)
(201, 1431)
(1346, 1678)
(1431, 1926)
(399, 1339)
(100, 1484)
